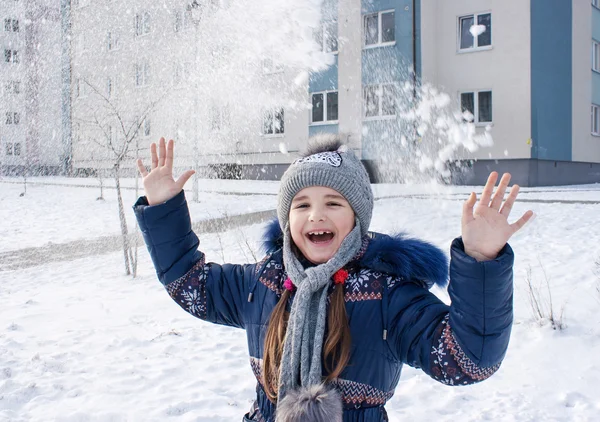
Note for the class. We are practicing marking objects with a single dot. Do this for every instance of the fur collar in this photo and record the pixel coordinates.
(397, 255)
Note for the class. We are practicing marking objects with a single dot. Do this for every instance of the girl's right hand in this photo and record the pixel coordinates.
(159, 183)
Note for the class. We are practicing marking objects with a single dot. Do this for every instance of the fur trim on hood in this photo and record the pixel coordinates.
(397, 255)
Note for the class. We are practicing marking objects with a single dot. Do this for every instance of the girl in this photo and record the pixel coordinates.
(333, 311)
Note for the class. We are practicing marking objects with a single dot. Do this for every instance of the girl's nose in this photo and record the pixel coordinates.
(316, 216)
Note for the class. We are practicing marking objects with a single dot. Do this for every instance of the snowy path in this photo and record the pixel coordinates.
(30, 257)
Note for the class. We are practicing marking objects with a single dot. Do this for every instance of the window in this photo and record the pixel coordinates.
(595, 55)
(80, 88)
(379, 100)
(142, 74)
(177, 21)
(274, 122)
(476, 106)
(13, 87)
(178, 73)
(11, 56)
(11, 25)
(12, 118)
(379, 29)
(220, 118)
(142, 23)
(475, 35)
(324, 107)
(595, 120)
(13, 148)
(112, 41)
(181, 20)
(109, 87)
(181, 73)
(79, 3)
(268, 66)
(81, 44)
(327, 36)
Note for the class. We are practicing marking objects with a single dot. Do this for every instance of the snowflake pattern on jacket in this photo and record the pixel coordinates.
(449, 364)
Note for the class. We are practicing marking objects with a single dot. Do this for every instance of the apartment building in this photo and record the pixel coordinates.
(531, 74)
(31, 119)
(171, 71)
(526, 69)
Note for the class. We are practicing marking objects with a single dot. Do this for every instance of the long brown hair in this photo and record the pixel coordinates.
(336, 349)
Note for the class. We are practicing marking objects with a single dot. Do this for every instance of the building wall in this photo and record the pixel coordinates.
(182, 111)
(504, 68)
(38, 73)
(326, 80)
(349, 68)
(551, 79)
(388, 64)
(586, 147)
(11, 134)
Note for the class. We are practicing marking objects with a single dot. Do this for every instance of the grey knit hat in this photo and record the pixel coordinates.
(332, 164)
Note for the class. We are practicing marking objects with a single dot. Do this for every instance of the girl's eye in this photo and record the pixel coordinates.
(334, 204)
(302, 206)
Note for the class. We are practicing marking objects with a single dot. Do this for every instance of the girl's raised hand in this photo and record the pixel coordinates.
(159, 184)
(485, 228)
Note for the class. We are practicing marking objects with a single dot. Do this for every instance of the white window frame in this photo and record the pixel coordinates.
(595, 55)
(110, 87)
(13, 149)
(12, 118)
(475, 47)
(273, 114)
(81, 43)
(379, 92)
(12, 87)
(326, 120)
(220, 118)
(11, 25)
(146, 128)
(324, 33)
(141, 77)
(112, 41)
(476, 93)
(177, 20)
(269, 67)
(379, 42)
(142, 24)
(79, 3)
(595, 120)
(80, 88)
(14, 56)
(181, 74)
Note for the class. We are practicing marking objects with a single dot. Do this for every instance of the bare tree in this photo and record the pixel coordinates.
(119, 140)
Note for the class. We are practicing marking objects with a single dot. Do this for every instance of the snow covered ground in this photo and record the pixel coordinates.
(79, 341)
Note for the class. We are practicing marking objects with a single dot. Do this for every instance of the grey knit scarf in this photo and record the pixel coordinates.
(301, 359)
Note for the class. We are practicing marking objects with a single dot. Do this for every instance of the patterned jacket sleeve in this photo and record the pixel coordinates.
(212, 292)
(466, 342)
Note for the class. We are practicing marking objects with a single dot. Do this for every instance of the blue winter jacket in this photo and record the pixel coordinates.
(394, 319)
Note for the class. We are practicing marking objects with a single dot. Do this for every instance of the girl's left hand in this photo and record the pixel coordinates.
(485, 230)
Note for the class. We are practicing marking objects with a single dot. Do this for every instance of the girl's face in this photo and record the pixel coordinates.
(320, 219)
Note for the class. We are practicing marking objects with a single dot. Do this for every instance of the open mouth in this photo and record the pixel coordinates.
(320, 236)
